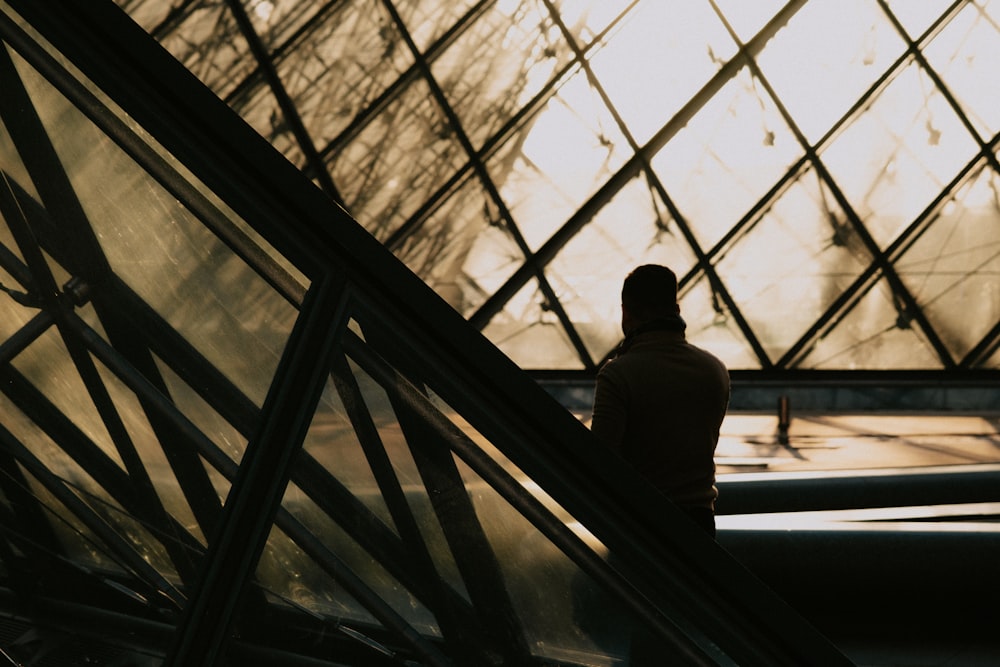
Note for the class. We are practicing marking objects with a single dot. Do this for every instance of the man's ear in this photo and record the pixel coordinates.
(628, 322)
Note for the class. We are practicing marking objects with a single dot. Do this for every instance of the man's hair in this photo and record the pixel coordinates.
(650, 291)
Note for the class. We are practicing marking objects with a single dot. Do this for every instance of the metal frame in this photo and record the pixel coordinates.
(266, 57)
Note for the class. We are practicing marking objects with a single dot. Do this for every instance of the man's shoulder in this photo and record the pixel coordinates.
(705, 354)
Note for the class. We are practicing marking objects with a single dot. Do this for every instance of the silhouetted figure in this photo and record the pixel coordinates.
(660, 401)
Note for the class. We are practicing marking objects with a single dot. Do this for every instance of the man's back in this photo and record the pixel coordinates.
(661, 404)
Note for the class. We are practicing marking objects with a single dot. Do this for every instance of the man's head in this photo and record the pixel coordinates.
(648, 293)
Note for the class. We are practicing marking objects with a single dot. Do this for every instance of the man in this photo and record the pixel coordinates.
(660, 401)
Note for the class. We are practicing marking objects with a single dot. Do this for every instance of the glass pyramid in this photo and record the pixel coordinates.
(819, 173)
(237, 431)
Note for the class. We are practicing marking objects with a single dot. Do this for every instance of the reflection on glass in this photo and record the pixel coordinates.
(402, 515)
(390, 524)
(158, 247)
(449, 252)
(711, 325)
(208, 41)
(634, 228)
(343, 63)
(492, 257)
(428, 21)
(143, 324)
(397, 161)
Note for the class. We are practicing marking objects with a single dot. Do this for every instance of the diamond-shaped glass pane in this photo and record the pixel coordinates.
(727, 157)
(397, 161)
(955, 261)
(657, 58)
(590, 268)
(962, 53)
(711, 325)
(559, 158)
(874, 332)
(528, 327)
(499, 64)
(910, 143)
(826, 56)
(802, 251)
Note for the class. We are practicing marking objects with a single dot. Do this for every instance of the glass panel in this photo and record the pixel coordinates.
(873, 334)
(802, 251)
(64, 462)
(590, 269)
(398, 164)
(827, 55)
(46, 364)
(586, 19)
(917, 17)
(172, 314)
(155, 454)
(278, 20)
(194, 407)
(94, 532)
(462, 251)
(402, 524)
(413, 505)
(559, 160)
(737, 145)
(209, 43)
(747, 18)
(562, 611)
(163, 252)
(710, 325)
(398, 469)
(963, 54)
(77, 541)
(658, 58)
(899, 154)
(288, 577)
(427, 21)
(955, 261)
(344, 63)
(481, 252)
(13, 169)
(496, 66)
(564, 614)
(528, 330)
(14, 315)
(397, 161)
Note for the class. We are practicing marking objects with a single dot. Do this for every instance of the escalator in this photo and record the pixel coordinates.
(236, 430)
